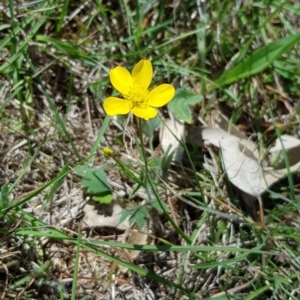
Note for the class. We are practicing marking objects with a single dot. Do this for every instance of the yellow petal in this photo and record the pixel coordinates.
(144, 113)
(116, 106)
(142, 74)
(121, 79)
(161, 95)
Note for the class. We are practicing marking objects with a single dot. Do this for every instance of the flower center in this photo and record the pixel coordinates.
(138, 97)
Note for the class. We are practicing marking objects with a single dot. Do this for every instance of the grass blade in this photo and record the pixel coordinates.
(258, 61)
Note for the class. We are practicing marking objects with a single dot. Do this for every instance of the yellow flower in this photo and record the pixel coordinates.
(108, 152)
(134, 88)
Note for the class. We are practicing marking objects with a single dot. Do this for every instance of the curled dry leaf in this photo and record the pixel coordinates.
(288, 144)
(240, 162)
(104, 215)
(136, 236)
(171, 135)
(271, 175)
(108, 215)
(242, 165)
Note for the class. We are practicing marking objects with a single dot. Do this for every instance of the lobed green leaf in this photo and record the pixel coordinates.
(181, 102)
(95, 182)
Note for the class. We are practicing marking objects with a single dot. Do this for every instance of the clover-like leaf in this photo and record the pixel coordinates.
(181, 102)
(136, 215)
(95, 182)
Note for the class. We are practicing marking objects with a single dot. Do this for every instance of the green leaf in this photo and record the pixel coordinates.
(9, 62)
(136, 215)
(258, 60)
(161, 164)
(155, 204)
(4, 198)
(124, 214)
(150, 126)
(140, 216)
(103, 198)
(179, 106)
(95, 182)
(4, 26)
(69, 48)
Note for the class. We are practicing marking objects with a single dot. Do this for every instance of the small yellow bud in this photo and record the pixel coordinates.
(108, 152)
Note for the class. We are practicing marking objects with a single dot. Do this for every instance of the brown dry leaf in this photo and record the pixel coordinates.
(108, 215)
(137, 236)
(242, 165)
(104, 215)
(240, 162)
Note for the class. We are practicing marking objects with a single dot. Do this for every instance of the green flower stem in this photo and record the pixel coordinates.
(126, 169)
(153, 187)
(140, 124)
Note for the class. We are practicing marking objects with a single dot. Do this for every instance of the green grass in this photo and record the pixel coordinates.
(240, 58)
